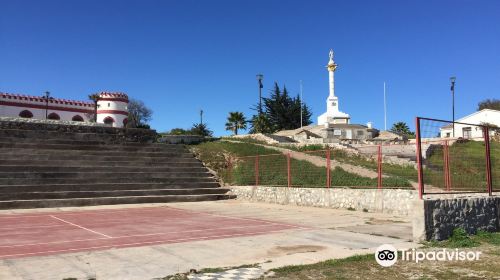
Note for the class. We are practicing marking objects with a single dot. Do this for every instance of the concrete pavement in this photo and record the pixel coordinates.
(329, 234)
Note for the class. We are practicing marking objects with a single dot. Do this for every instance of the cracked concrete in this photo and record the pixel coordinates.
(329, 233)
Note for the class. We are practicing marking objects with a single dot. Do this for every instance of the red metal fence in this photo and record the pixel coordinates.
(375, 166)
(455, 157)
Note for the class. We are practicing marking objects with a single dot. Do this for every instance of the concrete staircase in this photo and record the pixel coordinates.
(56, 169)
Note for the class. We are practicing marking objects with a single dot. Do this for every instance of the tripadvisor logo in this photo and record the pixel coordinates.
(387, 255)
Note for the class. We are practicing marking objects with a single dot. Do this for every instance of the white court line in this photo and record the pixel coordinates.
(93, 231)
(143, 235)
(141, 243)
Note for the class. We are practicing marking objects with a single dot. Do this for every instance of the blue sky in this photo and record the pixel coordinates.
(183, 56)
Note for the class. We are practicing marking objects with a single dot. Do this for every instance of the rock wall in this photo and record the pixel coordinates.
(182, 139)
(387, 200)
(442, 216)
(28, 128)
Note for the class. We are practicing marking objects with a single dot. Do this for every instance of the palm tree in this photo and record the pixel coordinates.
(235, 121)
(401, 128)
(261, 124)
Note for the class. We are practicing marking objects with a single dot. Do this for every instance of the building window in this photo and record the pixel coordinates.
(26, 114)
(448, 134)
(109, 104)
(53, 116)
(109, 120)
(77, 118)
(467, 132)
(360, 133)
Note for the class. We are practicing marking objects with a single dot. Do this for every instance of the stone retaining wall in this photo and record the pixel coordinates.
(395, 201)
(435, 219)
(182, 139)
(38, 128)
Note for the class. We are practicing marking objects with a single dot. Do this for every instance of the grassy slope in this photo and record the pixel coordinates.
(273, 167)
(467, 166)
(394, 170)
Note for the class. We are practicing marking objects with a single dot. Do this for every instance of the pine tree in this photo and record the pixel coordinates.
(201, 129)
(283, 111)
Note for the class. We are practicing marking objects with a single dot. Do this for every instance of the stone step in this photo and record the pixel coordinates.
(126, 158)
(6, 169)
(93, 136)
(6, 139)
(104, 174)
(72, 202)
(22, 151)
(112, 180)
(104, 193)
(86, 147)
(106, 186)
(93, 163)
(52, 165)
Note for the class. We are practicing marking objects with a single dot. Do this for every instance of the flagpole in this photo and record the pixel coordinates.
(385, 111)
(300, 103)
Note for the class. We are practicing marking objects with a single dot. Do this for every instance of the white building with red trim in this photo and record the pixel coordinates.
(111, 108)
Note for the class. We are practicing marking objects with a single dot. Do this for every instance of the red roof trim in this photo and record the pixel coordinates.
(105, 94)
(42, 99)
(113, 99)
(112, 112)
(35, 106)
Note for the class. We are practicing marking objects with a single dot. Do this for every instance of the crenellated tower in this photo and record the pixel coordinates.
(112, 109)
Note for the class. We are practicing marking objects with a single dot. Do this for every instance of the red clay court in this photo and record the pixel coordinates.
(25, 235)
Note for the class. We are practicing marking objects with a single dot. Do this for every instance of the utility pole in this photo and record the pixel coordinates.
(47, 95)
(260, 77)
(201, 116)
(452, 80)
(385, 111)
(300, 103)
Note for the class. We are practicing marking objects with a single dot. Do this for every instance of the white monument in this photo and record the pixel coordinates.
(332, 115)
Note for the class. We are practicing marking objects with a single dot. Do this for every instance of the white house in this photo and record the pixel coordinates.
(466, 127)
(111, 108)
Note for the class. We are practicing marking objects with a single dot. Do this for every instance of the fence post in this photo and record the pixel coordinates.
(379, 167)
(418, 143)
(328, 168)
(288, 169)
(486, 131)
(446, 166)
(257, 170)
(230, 171)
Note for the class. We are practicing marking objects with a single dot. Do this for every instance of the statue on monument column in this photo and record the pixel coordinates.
(331, 65)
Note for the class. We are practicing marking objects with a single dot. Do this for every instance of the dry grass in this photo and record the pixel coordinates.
(365, 266)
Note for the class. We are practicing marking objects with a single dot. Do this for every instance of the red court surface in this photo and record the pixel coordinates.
(25, 235)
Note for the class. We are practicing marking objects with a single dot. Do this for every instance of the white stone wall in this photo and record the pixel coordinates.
(13, 111)
(114, 105)
(386, 200)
